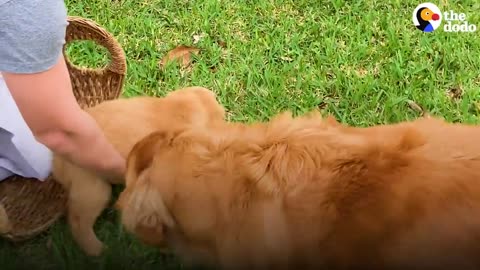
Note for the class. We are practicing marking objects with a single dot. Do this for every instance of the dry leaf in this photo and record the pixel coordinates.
(414, 106)
(197, 38)
(182, 54)
(376, 70)
(222, 44)
(362, 72)
(455, 93)
(330, 75)
(476, 81)
(286, 58)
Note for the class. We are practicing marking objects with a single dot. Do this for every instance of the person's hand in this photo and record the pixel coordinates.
(115, 170)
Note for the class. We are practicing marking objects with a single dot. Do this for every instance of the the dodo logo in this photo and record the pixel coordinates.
(427, 17)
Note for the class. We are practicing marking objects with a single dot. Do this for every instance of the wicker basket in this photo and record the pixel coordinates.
(31, 206)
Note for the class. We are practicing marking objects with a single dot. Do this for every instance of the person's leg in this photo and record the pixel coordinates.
(4, 173)
(20, 152)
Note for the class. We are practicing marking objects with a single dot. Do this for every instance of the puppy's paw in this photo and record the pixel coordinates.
(94, 248)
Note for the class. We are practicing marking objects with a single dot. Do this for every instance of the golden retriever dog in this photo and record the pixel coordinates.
(309, 193)
(125, 121)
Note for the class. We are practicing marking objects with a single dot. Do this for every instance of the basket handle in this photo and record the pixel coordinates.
(80, 28)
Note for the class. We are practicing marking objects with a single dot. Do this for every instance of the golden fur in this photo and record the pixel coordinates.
(124, 121)
(310, 193)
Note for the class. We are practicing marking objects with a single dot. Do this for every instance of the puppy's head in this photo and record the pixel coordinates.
(199, 102)
(143, 209)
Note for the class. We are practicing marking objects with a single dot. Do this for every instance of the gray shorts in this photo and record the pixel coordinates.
(32, 34)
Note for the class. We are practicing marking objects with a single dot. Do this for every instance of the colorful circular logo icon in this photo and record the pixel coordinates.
(427, 17)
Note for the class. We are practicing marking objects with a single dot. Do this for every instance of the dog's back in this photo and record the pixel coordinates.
(309, 194)
(407, 197)
(404, 196)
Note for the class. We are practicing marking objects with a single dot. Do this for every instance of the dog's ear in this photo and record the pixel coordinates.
(143, 152)
(143, 209)
(145, 212)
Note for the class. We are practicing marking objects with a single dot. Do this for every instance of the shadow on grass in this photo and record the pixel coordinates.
(55, 249)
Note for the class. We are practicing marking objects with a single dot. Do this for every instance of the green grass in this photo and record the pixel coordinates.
(358, 60)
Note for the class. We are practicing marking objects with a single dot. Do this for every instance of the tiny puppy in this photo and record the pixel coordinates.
(125, 121)
(309, 193)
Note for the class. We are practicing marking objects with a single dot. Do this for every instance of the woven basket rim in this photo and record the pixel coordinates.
(118, 62)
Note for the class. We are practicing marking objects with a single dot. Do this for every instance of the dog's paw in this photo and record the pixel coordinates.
(94, 248)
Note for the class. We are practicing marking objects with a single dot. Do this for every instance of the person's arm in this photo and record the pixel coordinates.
(47, 104)
(31, 60)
